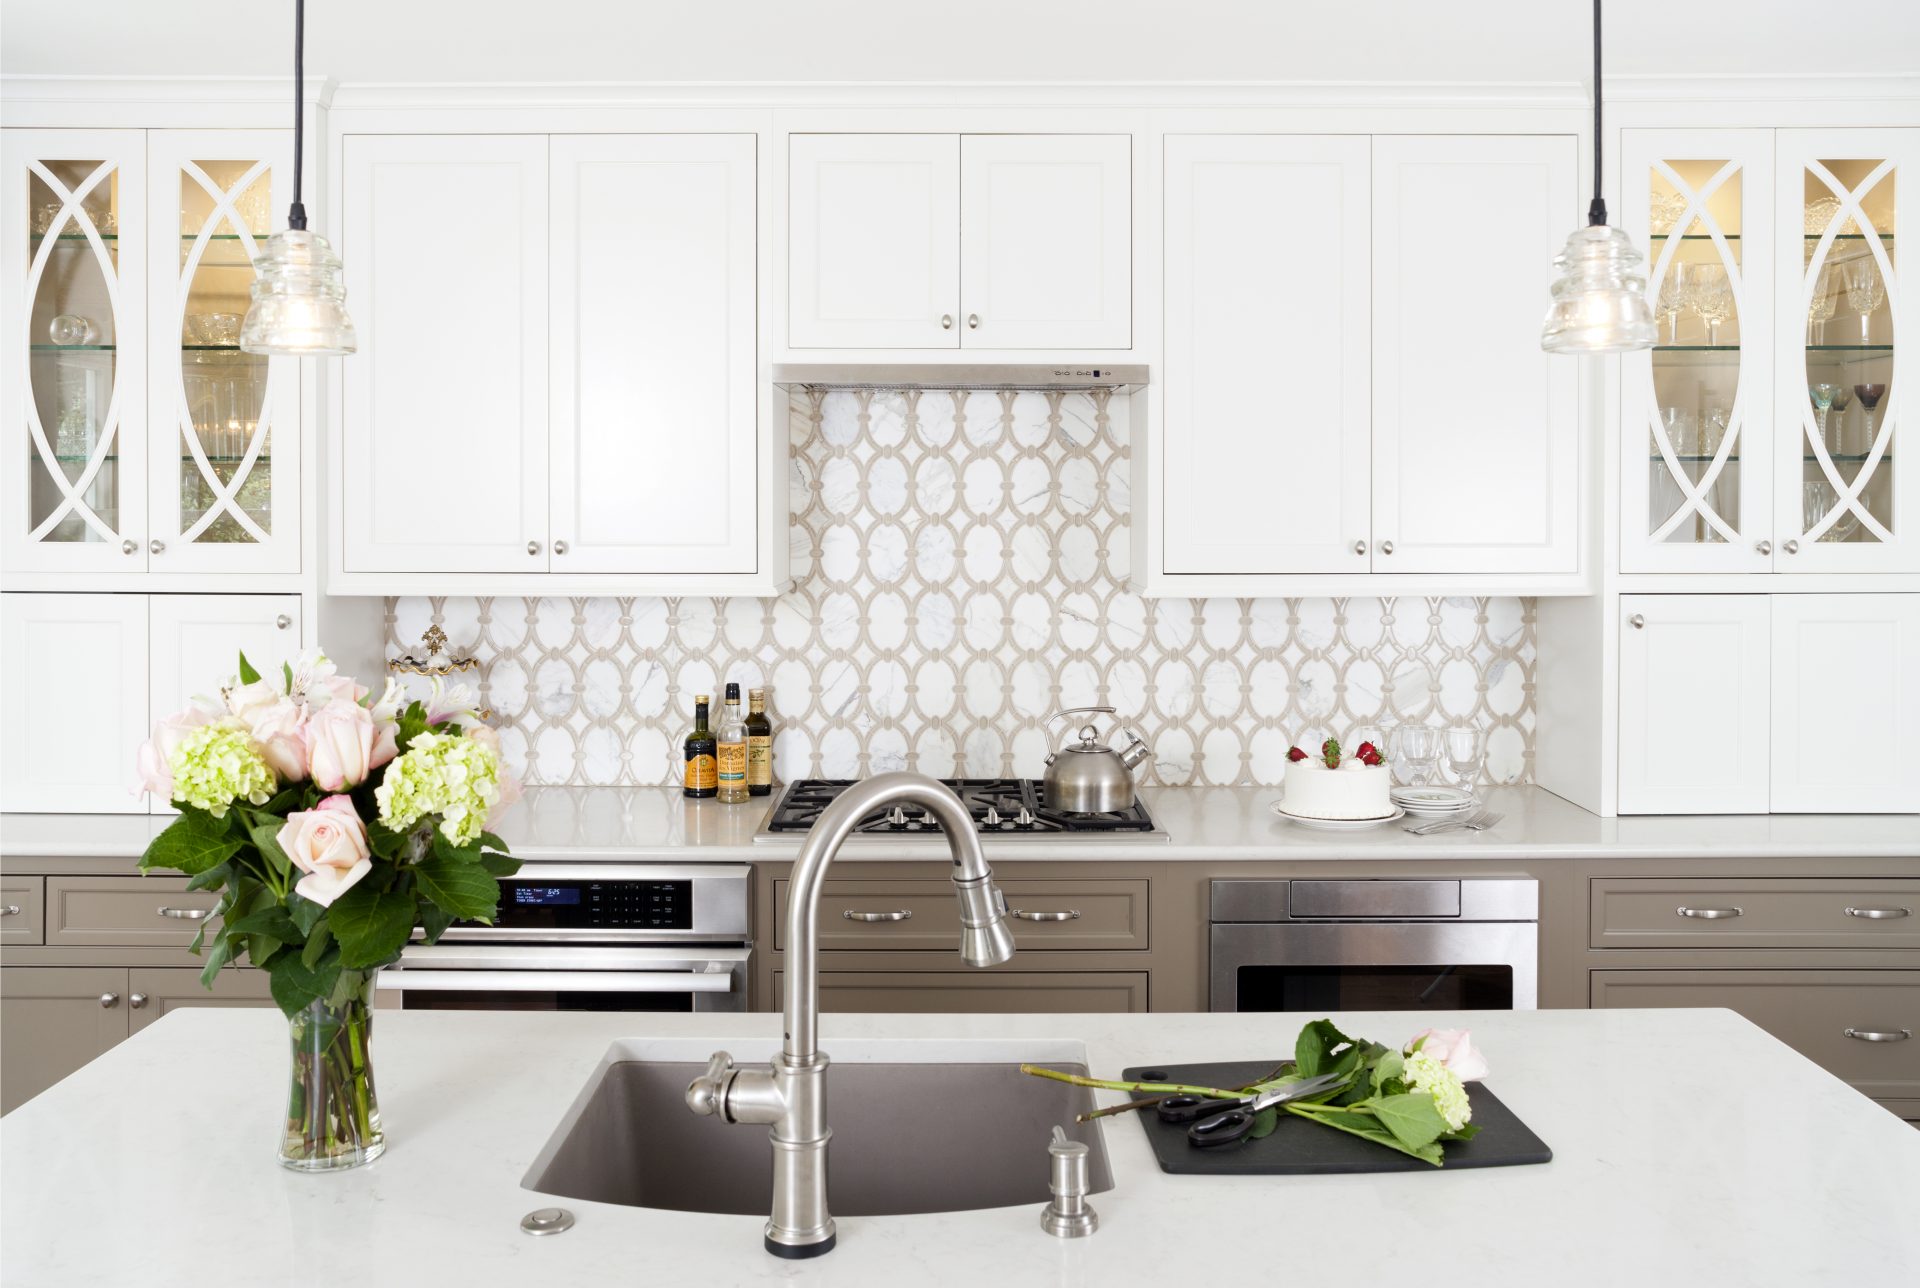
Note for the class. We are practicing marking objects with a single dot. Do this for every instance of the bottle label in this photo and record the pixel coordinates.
(759, 762)
(700, 773)
(732, 764)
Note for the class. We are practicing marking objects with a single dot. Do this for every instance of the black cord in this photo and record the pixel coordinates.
(297, 213)
(1597, 211)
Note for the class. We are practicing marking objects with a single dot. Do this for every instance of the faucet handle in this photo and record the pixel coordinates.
(707, 1094)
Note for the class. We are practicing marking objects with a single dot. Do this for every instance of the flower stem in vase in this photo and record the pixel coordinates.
(333, 1115)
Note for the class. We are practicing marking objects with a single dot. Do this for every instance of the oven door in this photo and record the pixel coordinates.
(1375, 966)
(543, 977)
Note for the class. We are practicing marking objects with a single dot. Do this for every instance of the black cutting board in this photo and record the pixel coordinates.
(1298, 1147)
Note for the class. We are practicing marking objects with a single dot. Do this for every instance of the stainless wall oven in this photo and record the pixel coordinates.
(593, 937)
(1375, 945)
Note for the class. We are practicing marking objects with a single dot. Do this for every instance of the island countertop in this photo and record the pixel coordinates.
(1689, 1147)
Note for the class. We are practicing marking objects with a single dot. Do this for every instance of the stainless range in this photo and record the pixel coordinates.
(1001, 809)
(593, 937)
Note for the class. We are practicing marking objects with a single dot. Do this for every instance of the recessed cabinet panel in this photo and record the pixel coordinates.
(1846, 703)
(874, 241)
(445, 241)
(54, 1019)
(654, 390)
(154, 992)
(75, 709)
(1046, 241)
(1266, 447)
(1476, 431)
(1694, 699)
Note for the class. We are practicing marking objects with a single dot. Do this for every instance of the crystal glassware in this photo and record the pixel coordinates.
(1822, 306)
(1822, 395)
(1816, 498)
(1710, 293)
(1419, 746)
(1869, 396)
(1672, 298)
(71, 328)
(1466, 747)
(1866, 291)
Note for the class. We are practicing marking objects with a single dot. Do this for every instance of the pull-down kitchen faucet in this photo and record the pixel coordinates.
(790, 1093)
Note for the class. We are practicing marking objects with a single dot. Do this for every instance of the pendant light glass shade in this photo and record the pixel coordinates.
(1599, 297)
(299, 301)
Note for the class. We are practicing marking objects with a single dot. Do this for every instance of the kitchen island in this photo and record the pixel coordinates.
(1689, 1148)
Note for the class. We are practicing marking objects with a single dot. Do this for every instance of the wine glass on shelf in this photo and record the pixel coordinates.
(1710, 292)
(1419, 746)
(1869, 396)
(1866, 291)
(1673, 297)
(1816, 498)
(1823, 304)
(1466, 748)
(1842, 400)
(1822, 395)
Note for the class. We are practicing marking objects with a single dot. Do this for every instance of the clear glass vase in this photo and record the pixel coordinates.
(333, 1117)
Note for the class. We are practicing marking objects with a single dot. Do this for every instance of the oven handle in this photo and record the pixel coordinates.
(556, 981)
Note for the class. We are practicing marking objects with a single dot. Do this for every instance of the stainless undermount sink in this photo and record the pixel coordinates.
(917, 1127)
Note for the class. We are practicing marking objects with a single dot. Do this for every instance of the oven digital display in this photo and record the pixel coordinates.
(545, 896)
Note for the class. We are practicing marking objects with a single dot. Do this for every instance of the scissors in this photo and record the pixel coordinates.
(1211, 1123)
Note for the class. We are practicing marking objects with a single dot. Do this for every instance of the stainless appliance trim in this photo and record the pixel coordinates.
(556, 981)
(720, 904)
(1121, 378)
(483, 957)
(1346, 943)
(1379, 899)
(716, 977)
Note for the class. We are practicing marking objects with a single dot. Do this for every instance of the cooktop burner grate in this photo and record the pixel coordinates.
(1000, 807)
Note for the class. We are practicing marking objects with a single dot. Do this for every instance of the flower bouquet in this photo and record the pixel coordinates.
(334, 825)
(1412, 1099)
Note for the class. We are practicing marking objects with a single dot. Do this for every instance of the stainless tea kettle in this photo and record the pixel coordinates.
(1089, 777)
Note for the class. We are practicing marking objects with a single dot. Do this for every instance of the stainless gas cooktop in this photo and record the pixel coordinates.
(1008, 808)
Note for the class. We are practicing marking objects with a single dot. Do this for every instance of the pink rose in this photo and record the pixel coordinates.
(250, 700)
(151, 762)
(1453, 1048)
(329, 844)
(340, 745)
(280, 728)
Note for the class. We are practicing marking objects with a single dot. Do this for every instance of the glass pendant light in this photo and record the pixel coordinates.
(299, 301)
(1600, 295)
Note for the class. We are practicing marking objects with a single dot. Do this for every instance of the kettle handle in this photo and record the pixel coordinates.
(1078, 711)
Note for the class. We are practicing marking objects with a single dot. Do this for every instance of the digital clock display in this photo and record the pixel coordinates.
(545, 896)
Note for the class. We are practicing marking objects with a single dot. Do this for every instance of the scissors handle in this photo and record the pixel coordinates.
(1229, 1128)
(1187, 1109)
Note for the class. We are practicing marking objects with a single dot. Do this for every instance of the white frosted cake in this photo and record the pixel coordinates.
(1354, 790)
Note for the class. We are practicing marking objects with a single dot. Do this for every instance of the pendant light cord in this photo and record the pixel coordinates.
(297, 213)
(1597, 211)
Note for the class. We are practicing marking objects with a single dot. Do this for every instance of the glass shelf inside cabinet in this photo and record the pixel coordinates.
(37, 238)
(71, 348)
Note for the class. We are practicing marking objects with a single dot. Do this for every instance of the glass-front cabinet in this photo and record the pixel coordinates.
(1759, 434)
(140, 438)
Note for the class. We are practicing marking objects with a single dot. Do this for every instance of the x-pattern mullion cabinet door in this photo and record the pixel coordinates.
(1697, 419)
(1846, 302)
(73, 493)
(223, 425)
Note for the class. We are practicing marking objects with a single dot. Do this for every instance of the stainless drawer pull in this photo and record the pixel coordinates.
(1878, 1035)
(1879, 914)
(1708, 914)
(183, 914)
(901, 914)
(1071, 914)
(13, 910)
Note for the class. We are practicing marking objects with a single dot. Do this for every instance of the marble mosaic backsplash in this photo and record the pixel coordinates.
(959, 566)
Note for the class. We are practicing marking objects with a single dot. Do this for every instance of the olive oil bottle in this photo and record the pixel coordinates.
(759, 745)
(732, 755)
(701, 779)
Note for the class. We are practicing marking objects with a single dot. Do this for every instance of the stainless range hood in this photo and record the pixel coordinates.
(1123, 379)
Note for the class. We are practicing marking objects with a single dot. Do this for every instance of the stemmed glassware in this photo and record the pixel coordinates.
(1822, 396)
(1710, 292)
(1419, 746)
(1466, 749)
(1824, 302)
(1866, 291)
(1842, 399)
(1673, 298)
(1869, 396)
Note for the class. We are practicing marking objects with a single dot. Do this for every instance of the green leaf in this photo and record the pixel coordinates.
(434, 920)
(1390, 1066)
(317, 945)
(218, 956)
(1369, 1129)
(499, 865)
(1264, 1122)
(305, 912)
(266, 839)
(412, 723)
(1467, 1132)
(1313, 1049)
(371, 926)
(212, 878)
(191, 844)
(295, 985)
(247, 674)
(286, 674)
(1413, 1119)
(489, 841)
(457, 883)
(272, 921)
(386, 842)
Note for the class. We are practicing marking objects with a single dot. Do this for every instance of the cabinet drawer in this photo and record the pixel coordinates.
(1738, 912)
(22, 911)
(969, 992)
(125, 912)
(1102, 915)
(1810, 1010)
(153, 992)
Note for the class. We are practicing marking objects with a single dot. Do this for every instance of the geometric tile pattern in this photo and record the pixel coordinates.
(959, 565)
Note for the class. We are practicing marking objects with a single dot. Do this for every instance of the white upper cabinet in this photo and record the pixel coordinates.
(874, 241)
(195, 643)
(73, 702)
(943, 241)
(1846, 704)
(1476, 431)
(445, 416)
(1046, 241)
(654, 385)
(1265, 447)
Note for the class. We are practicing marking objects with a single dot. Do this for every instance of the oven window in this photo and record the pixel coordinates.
(426, 999)
(1376, 988)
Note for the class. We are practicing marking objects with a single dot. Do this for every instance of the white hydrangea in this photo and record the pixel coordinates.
(1426, 1073)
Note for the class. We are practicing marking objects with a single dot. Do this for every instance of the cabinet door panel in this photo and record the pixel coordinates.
(874, 241)
(1046, 245)
(153, 992)
(655, 397)
(1266, 446)
(1476, 434)
(75, 687)
(52, 1021)
(1846, 704)
(1694, 692)
(445, 421)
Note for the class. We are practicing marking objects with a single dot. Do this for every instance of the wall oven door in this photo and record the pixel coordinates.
(545, 977)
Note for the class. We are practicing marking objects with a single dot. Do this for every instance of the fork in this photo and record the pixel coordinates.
(1478, 821)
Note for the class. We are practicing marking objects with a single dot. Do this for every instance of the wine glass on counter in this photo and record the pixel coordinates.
(1710, 293)
(1420, 747)
(1866, 291)
(1466, 752)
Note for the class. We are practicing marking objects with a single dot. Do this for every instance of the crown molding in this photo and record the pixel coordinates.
(161, 91)
(1732, 87)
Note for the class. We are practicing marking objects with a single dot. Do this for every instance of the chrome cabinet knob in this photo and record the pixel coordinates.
(157, 546)
(533, 547)
(1764, 547)
(1359, 547)
(973, 321)
(282, 622)
(109, 1000)
(13, 910)
(129, 546)
(1386, 547)
(138, 1001)
(559, 547)
(946, 321)
(1792, 547)
(1638, 622)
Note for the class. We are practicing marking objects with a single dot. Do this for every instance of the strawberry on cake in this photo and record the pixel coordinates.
(1333, 786)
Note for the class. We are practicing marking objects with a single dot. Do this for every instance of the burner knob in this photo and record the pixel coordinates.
(1026, 817)
(898, 818)
(993, 817)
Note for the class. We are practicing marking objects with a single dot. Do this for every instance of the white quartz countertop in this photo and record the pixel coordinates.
(1202, 823)
(1689, 1148)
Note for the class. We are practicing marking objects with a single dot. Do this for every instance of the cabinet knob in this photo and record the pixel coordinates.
(1359, 547)
(1638, 622)
(973, 321)
(129, 546)
(1792, 547)
(157, 546)
(533, 547)
(1763, 547)
(282, 622)
(109, 1000)
(13, 910)
(946, 321)
(559, 547)
(137, 1001)
(1386, 547)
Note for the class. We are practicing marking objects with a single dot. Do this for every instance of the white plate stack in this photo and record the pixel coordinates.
(1434, 802)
